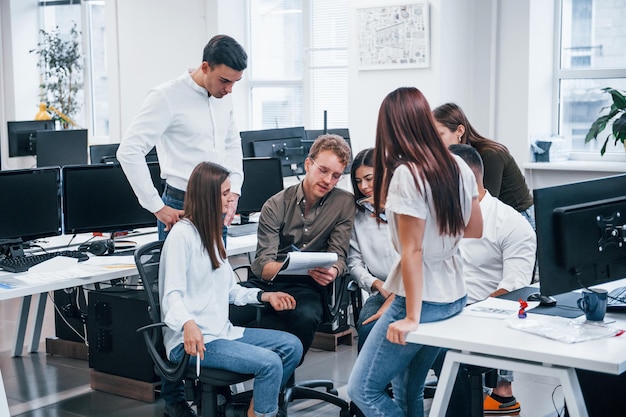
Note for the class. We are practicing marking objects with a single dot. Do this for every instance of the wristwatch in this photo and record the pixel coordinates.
(259, 295)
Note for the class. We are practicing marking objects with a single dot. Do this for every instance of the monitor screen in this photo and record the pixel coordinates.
(581, 238)
(98, 198)
(61, 147)
(32, 208)
(288, 144)
(105, 154)
(311, 135)
(22, 135)
(262, 179)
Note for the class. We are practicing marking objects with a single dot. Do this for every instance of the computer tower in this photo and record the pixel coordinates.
(115, 347)
(71, 311)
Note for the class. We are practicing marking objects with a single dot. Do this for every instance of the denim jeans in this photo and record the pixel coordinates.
(529, 214)
(178, 205)
(270, 355)
(371, 307)
(381, 361)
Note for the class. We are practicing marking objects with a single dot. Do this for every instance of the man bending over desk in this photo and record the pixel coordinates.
(501, 261)
(313, 216)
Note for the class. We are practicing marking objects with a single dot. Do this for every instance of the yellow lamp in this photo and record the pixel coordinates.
(42, 114)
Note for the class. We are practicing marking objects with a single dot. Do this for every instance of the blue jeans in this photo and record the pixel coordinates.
(270, 355)
(178, 205)
(529, 214)
(371, 307)
(381, 362)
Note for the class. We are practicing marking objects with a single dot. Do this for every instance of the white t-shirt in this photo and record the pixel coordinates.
(504, 256)
(189, 288)
(443, 266)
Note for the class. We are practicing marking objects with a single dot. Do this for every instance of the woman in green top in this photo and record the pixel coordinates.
(503, 177)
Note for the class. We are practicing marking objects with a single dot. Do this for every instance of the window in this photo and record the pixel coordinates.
(89, 17)
(592, 56)
(298, 63)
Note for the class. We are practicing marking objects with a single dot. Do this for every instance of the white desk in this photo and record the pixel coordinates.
(489, 342)
(96, 270)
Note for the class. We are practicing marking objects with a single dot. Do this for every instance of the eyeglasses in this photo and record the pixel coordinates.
(326, 171)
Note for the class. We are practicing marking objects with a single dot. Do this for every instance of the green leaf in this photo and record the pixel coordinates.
(618, 98)
(598, 126)
(619, 128)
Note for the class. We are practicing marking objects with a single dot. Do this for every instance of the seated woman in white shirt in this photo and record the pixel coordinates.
(371, 253)
(196, 285)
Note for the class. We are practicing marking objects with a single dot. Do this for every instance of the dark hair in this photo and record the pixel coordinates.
(334, 143)
(451, 116)
(406, 134)
(365, 157)
(203, 207)
(222, 49)
(469, 155)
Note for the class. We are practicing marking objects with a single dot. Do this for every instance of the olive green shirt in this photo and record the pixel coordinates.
(504, 180)
(326, 228)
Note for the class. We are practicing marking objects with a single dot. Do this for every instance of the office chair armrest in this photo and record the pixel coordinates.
(173, 372)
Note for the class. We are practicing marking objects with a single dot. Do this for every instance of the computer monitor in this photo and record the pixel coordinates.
(22, 136)
(311, 135)
(581, 234)
(262, 179)
(106, 154)
(288, 144)
(98, 198)
(61, 147)
(32, 206)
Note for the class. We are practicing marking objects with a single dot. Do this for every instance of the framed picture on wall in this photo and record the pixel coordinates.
(394, 37)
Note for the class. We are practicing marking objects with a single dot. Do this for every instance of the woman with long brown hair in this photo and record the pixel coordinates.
(430, 201)
(196, 285)
(503, 178)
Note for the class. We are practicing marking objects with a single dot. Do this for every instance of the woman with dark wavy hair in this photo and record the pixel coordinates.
(430, 201)
(503, 178)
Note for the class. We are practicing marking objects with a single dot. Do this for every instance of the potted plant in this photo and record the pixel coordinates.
(616, 116)
(62, 72)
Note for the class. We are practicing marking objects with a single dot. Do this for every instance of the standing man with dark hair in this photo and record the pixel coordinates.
(190, 120)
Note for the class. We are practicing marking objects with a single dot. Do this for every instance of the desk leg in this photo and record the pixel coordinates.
(445, 384)
(20, 329)
(567, 376)
(41, 309)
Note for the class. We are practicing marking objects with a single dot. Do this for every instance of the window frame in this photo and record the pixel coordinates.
(561, 74)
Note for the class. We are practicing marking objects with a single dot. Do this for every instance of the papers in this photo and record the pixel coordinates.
(564, 330)
(299, 263)
(495, 308)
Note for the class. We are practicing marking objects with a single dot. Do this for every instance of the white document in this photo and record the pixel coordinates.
(495, 308)
(299, 263)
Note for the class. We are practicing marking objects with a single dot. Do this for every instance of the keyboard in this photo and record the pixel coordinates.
(617, 299)
(24, 263)
(245, 229)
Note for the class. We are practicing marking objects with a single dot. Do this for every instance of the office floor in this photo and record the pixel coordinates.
(43, 385)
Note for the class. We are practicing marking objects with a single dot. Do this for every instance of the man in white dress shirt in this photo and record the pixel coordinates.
(502, 260)
(190, 120)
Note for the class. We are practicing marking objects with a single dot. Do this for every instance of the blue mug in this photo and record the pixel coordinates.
(593, 304)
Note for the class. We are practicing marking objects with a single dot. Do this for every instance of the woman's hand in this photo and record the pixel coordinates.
(192, 339)
(279, 300)
(381, 310)
(397, 331)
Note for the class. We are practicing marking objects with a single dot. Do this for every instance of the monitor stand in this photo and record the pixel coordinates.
(12, 248)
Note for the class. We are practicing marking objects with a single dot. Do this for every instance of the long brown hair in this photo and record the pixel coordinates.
(203, 207)
(451, 116)
(406, 134)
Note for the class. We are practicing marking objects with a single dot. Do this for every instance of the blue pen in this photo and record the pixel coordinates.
(5, 286)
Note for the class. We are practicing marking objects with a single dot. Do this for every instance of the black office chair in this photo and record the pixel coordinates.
(201, 390)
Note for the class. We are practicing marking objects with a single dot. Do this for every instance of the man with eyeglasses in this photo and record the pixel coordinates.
(314, 216)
